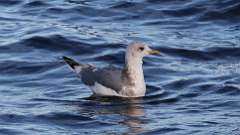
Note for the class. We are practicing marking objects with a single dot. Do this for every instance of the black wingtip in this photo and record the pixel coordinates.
(70, 62)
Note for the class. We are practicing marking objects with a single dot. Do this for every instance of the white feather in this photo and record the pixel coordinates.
(99, 89)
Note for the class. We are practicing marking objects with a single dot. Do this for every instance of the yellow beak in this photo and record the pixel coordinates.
(153, 52)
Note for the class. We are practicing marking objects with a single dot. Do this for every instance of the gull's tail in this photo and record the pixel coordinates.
(77, 67)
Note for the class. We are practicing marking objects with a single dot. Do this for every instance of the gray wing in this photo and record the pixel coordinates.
(109, 77)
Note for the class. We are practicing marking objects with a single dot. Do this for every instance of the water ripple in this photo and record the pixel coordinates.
(193, 88)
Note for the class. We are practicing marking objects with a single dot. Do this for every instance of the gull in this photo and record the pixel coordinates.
(111, 81)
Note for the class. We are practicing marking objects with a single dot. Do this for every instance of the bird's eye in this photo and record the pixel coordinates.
(141, 48)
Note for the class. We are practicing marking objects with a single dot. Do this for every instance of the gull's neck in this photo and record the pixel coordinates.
(133, 64)
(134, 69)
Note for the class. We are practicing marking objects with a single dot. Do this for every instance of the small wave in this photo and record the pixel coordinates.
(63, 117)
(94, 12)
(226, 104)
(57, 43)
(204, 87)
(24, 68)
(190, 54)
(224, 52)
(164, 130)
(209, 54)
(12, 118)
(70, 120)
(182, 83)
(225, 10)
(6, 131)
(61, 93)
(111, 58)
(9, 2)
(229, 12)
(190, 95)
(166, 100)
(35, 3)
(156, 95)
(231, 90)
(186, 11)
(124, 5)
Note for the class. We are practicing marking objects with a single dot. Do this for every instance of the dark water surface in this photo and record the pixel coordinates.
(193, 89)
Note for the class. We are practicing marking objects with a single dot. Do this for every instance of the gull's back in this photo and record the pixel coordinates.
(109, 77)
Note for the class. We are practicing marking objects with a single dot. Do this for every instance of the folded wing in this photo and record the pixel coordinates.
(108, 77)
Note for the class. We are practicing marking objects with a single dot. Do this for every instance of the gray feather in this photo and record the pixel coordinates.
(109, 77)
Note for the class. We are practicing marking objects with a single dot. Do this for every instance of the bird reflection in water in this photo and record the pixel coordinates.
(127, 112)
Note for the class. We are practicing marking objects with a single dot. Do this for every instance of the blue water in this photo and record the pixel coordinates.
(193, 89)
